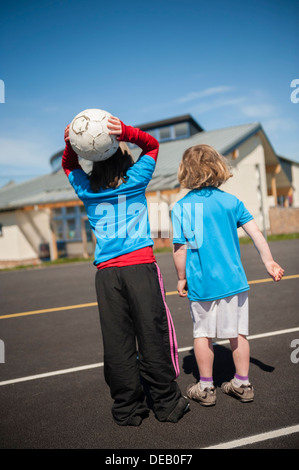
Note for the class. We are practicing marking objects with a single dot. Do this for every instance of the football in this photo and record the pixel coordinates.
(89, 135)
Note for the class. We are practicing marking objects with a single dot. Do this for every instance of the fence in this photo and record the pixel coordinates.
(284, 220)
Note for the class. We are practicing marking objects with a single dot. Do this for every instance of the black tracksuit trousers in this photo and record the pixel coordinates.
(133, 312)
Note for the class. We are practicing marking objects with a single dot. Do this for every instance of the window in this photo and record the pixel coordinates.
(58, 228)
(181, 130)
(71, 229)
(169, 131)
(152, 132)
(71, 210)
(88, 231)
(164, 133)
(67, 222)
(57, 212)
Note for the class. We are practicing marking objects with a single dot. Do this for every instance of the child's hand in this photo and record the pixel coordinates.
(66, 134)
(182, 288)
(275, 271)
(114, 126)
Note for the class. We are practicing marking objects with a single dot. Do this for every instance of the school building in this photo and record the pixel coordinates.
(43, 219)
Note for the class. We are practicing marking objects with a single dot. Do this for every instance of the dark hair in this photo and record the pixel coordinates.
(111, 172)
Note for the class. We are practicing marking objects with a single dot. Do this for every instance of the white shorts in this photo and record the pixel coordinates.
(223, 318)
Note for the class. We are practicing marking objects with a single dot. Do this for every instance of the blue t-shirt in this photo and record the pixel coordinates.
(206, 221)
(118, 216)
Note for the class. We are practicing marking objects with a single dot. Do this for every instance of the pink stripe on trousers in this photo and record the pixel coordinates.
(172, 335)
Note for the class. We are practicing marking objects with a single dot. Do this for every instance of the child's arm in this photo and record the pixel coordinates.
(252, 230)
(148, 144)
(179, 258)
(70, 159)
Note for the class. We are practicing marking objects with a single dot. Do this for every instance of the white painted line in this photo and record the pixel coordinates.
(257, 438)
(51, 374)
(273, 333)
(101, 364)
(261, 335)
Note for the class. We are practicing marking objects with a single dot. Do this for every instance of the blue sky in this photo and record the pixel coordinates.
(224, 62)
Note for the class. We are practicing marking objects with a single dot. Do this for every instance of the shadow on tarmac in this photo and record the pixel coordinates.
(223, 365)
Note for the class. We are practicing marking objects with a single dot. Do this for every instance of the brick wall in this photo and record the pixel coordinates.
(284, 220)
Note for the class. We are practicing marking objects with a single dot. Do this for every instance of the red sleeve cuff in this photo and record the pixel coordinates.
(70, 159)
(123, 133)
(148, 144)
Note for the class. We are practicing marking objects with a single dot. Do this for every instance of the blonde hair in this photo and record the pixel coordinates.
(203, 166)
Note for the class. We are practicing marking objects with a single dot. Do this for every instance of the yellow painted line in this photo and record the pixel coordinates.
(94, 304)
(269, 279)
(47, 310)
(174, 292)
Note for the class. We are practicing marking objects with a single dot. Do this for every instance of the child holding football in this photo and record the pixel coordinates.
(207, 260)
(129, 284)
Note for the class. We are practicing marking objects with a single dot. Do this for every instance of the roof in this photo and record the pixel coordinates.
(287, 165)
(288, 160)
(170, 153)
(170, 121)
(47, 188)
(54, 187)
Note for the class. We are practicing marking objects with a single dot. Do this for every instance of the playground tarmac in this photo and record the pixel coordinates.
(52, 389)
